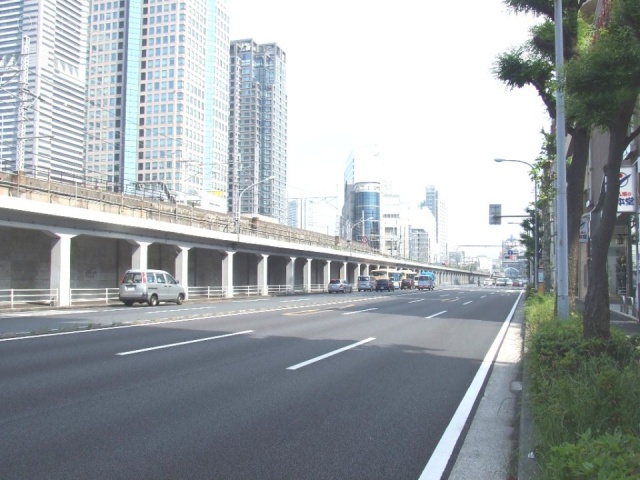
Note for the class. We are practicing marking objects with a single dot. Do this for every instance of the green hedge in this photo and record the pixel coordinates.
(585, 397)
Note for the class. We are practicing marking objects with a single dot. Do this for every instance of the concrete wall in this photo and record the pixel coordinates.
(25, 260)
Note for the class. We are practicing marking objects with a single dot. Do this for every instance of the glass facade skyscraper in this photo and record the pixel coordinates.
(258, 129)
(366, 214)
(158, 96)
(42, 86)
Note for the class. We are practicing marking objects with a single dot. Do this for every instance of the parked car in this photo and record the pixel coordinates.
(366, 283)
(424, 282)
(339, 286)
(407, 284)
(151, 287)
(385, 284)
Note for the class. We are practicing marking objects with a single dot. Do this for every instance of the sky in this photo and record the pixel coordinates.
(414, 79)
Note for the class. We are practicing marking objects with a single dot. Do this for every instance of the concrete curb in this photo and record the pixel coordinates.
(490, 445)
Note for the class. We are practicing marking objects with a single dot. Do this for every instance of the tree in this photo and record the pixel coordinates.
(602, 85)
(533, 64)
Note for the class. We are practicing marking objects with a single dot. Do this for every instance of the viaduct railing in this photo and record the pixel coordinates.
(80, 195)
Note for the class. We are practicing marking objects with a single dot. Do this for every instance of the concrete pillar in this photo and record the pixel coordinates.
(291, 274)
(327, 273)
(60, 275)
(139, 255)
(227, 274)
(343, 271)
(263, 277)
(182, 267)
(366, 269)
(356, 273)
(307, 275)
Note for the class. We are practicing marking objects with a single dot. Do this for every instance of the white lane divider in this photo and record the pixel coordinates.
(326, 355)
(436, 314)
(467, 303)
(170, 345)
(441, 455)
(359, 311)
(414, 301)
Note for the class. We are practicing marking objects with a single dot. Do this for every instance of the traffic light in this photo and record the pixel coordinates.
(495, 214)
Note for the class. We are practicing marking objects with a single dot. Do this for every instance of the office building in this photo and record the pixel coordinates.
(157, 106)
(361, 211)
(257, 154)
(438, 207)
(42, 87)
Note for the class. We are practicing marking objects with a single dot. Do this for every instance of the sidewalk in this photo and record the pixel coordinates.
(490, 447)
(500, 439)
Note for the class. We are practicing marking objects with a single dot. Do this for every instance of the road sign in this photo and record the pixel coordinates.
(495, 214)
(364, 239)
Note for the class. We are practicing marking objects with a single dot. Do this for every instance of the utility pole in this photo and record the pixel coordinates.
(561, 175)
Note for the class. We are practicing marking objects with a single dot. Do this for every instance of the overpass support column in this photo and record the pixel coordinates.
(60, 275)
(227, 274)
(355, 272)
(291, 275)
(306, 272)
(366, 269)
(139, 255)
(263, 282)
(182, 267)
(343, 271)
(327, 273)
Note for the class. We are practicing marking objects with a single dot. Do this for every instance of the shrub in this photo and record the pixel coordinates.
(579, 387)
(609, 456)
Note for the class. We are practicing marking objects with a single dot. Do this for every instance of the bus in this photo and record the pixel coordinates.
(391, 274)
(408, 278)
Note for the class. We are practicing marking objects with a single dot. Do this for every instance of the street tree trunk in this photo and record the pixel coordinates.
(576, 171)
(597, 316)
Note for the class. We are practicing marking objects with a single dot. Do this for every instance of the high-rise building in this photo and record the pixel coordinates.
(438, 207)
(258, 129)
(157, 97)
(42, 86)
(361, 211)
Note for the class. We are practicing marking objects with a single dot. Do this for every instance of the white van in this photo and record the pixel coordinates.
(424, 282)
(151, 287)
(366, 283)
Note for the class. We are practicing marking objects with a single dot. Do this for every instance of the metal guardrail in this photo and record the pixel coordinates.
(18, 297)
(13, 297)
(93, 295)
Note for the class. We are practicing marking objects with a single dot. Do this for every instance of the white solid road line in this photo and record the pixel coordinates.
(359, 311)
(436, 314)
(414, 301)
(183, 343)
(467, 303)
(335, 352)
(441, 455)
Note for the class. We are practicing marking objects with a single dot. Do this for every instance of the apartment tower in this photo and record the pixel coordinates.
(157, 98)
(42, 87)
(257, 153)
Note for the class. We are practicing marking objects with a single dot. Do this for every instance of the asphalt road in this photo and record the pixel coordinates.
(359, 386)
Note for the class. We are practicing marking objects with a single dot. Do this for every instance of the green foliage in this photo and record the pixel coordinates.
(579, 387)
(606, 74)
(610, 456)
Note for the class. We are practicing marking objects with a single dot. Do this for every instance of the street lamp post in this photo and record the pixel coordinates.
(239, 203)
(535, 217)
(356, 224)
